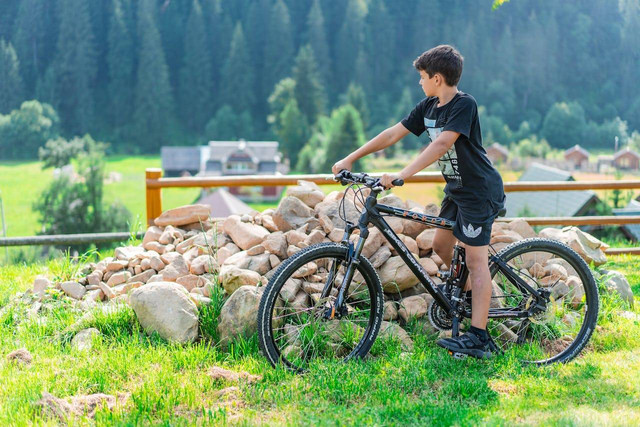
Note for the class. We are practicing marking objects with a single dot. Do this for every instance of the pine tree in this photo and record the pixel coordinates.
(11, 88)
(196, 77)
(120, 60)
(283, 92)
(74, 67)
(349, 43)
(298, 11)
(293, 132)
(278, 54)
(29, 40)
(308, 90)
(316, 38)
(345, 137)
(237, 75)
(153, 101)
(256, 28)
(356, 96)
(379, 47)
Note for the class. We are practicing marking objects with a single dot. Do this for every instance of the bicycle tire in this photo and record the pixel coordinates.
(589, 306)
(268, 301)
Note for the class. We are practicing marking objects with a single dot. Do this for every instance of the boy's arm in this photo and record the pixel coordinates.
(433, 152)
(384, 139)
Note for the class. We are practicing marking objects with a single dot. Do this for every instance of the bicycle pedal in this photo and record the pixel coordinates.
(457, 355)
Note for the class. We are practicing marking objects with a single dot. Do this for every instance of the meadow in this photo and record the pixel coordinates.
(168, 384)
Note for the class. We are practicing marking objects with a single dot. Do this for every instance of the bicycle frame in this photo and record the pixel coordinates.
(372, 213)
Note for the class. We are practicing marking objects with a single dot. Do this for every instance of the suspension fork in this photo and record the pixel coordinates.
(352, 262)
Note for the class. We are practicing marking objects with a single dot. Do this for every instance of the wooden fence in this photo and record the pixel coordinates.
(155, 183)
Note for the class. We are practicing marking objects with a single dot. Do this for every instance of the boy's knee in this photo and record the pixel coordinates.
(477, 259)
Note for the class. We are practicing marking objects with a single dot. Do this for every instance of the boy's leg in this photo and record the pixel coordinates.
(443, 242)
(477, 258)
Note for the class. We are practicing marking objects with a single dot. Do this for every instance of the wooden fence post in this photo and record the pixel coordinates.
(154, 196)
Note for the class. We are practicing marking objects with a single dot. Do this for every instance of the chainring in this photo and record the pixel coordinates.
(438, 317)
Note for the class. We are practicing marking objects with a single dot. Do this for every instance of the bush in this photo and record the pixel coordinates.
(73, 204)
(24, 131)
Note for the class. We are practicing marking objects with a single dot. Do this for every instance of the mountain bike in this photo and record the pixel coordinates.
(326, 301)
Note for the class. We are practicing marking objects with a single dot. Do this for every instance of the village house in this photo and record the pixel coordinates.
(631, 231)
(626, 159)
(550, 203)
(577, 157)
(228, 158)
(498, 154)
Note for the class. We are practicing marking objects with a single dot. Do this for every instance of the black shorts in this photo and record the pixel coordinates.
(473, 223)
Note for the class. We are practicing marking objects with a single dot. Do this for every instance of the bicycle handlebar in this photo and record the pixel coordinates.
(345, 177)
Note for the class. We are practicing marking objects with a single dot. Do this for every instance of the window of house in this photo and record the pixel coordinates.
(239, 166)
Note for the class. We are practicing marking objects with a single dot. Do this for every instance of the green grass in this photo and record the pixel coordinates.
(168, 384)
(22, 182)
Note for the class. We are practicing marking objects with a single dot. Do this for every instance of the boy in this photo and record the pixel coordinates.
(474, 192)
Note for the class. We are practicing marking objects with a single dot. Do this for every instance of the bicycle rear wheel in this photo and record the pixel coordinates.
(294, 322)
(562, 330)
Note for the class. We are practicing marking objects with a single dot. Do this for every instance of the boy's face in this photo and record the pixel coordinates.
(428, 84)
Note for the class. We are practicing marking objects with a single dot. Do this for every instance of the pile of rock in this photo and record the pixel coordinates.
(186, 255)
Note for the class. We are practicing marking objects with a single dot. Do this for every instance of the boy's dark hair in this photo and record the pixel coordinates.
(443, 59)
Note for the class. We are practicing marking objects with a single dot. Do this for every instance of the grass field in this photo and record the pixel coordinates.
(168, 384)
(22, 182)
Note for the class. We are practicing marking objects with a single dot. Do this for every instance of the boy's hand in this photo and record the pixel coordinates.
(387, 179)
(340, 165)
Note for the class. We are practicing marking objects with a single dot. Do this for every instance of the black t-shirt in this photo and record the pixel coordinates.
(470, 176)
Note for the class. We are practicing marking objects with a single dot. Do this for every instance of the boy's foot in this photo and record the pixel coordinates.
(469, 344)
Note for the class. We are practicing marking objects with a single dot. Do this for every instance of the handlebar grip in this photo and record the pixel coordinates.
(398, 182)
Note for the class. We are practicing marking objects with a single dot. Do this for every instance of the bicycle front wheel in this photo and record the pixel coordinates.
(562, 330)
(295, 326)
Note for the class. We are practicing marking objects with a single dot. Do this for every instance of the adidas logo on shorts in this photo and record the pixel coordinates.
(470, 232)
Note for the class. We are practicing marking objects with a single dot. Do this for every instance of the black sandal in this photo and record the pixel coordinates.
(468, 344)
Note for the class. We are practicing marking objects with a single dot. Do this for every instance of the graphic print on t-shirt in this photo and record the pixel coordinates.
(448, 163)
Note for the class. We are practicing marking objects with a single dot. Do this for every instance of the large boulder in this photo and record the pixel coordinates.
(183, 215)
(258, 263)
(165, 307)
(238, 314)
(308, 192)
(389, 330)
(413, 306)
(232, 277)
(330, 208)
(396, 275)
(588, 247)
(244, 234)
(292, 213)
(617, 283)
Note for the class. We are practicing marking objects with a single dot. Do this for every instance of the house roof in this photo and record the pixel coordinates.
(182, 158)
(222, 204)
(500, 148)
(258, 150)
(624, 151)
(633, 208)
(576, 148)
(548, 203)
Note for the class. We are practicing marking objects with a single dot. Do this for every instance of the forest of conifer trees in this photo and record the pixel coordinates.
(144, 73)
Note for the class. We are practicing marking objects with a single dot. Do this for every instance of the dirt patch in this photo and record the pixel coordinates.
(503, 387)
(20, 356)
(79, 405)
(218, 373)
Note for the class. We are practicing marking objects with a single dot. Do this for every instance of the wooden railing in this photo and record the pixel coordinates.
(155, 183)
